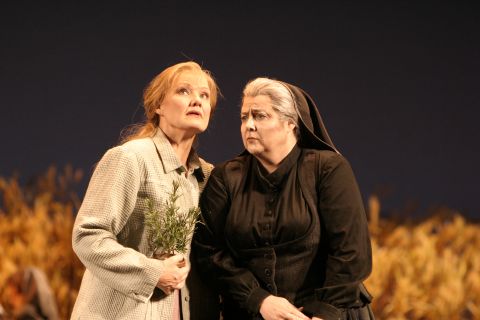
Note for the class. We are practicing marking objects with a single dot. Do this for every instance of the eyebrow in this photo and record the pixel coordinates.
(253, 109)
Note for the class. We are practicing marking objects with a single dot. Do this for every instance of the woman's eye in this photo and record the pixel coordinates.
(260, 116)
(243, 118)
(183, 91)
(204, 95)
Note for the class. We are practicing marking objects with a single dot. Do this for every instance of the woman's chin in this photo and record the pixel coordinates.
(197, 129)
(253, 150)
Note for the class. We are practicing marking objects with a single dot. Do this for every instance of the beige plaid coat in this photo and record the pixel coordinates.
(109, 235)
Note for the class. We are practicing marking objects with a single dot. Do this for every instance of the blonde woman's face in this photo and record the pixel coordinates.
(264, 134)
(186, 108)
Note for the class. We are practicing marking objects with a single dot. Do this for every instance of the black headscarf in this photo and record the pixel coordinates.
(313, 133)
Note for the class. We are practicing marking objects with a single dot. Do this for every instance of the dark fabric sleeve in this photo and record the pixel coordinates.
(213, 255)
(345, 230)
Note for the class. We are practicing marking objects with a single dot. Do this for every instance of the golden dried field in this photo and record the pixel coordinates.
(429, 269)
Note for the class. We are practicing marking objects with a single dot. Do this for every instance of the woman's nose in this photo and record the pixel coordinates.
(196, 100)
(250, 124)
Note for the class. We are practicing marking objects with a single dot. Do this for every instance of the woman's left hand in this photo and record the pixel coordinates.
(174, 274)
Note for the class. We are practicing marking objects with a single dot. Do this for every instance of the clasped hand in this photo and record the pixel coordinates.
(174, 275)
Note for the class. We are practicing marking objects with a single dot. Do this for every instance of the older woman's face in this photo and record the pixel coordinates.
(186, 108)
(263, 132)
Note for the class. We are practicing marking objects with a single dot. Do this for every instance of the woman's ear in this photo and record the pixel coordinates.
(294, 128)
(292, 125)
(158, 111)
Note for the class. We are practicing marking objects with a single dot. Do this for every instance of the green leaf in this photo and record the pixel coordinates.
(169, 229)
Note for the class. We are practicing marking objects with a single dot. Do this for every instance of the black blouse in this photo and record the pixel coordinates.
(274, 211)
(300, 233)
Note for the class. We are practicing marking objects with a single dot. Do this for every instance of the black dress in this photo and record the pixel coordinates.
(299, 233)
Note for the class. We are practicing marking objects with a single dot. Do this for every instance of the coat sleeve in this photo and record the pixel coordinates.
(212, 252)
(345, 232)
(109, 201)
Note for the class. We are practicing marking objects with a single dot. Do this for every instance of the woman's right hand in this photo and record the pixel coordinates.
(174, 275)
(278, 308)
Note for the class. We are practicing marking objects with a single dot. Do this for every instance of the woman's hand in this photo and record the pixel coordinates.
(278, 308)
(315, 318)
(174, 274)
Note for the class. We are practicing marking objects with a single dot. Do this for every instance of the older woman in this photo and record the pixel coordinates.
(285, 233)
(122, 280)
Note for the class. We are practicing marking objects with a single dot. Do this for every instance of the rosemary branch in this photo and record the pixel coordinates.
(169, 229)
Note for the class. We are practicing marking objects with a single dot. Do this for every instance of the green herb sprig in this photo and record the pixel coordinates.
(169, 229)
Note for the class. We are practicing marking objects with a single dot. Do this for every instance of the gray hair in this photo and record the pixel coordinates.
(279, 94)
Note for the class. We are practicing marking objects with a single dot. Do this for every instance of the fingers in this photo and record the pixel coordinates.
(297, 315)
(175, 273)
(177, 260)
(180, 285)
(166, 290)
(182, 262)
(273, 308)
(179, 280)
(173, 278)
(169, 287)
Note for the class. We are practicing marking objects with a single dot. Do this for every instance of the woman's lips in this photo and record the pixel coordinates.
(194, 113)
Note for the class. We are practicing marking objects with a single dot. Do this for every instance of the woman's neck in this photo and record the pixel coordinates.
(271, 161)
(182, 150)
(181, 144)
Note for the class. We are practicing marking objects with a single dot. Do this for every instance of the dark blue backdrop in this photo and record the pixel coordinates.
(397, 84)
